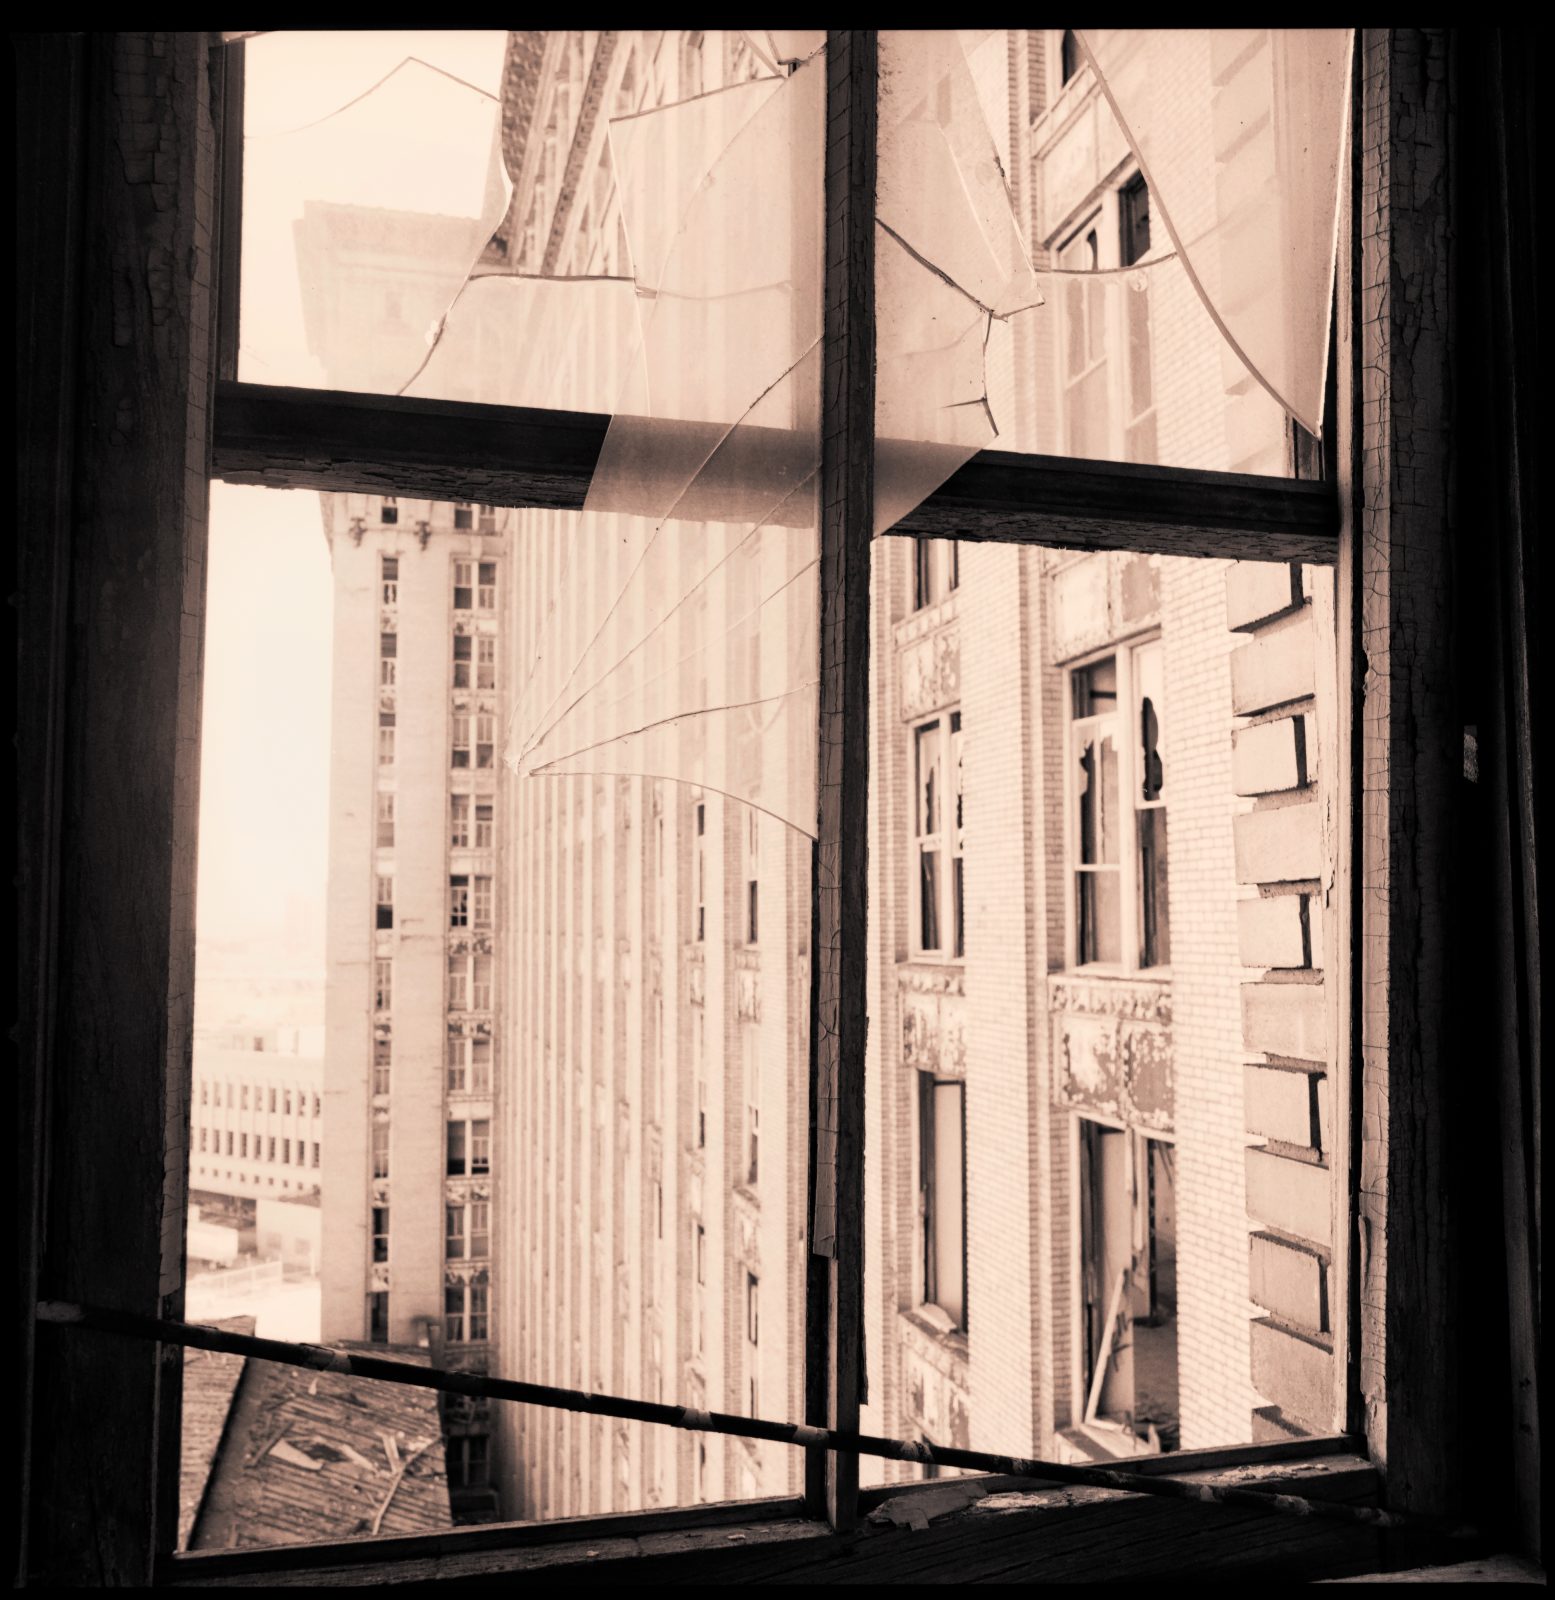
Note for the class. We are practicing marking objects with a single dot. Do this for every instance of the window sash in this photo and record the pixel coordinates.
(1109, 900)
(390, 518)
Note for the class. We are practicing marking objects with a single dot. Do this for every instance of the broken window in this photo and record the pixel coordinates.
(1128, 1253)
(459, 901)
(1094, 753)
(936, 570)
(942, 1194)
(380, 1233)
(939, 836)
(1121, 901)
(480, 1066)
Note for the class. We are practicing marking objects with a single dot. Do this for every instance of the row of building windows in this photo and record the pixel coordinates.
(466, 1313)
(469, 901)
(237, 1097)
(484, 744)
(461, 836)
(750, 910)
(1117, 841)
(469, 1066)
(265, 1147)
(466, 517)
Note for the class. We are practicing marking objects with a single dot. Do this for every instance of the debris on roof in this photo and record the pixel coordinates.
(312, 1455)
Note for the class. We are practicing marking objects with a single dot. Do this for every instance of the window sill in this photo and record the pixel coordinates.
(927, 619)
(929, 1322)
(912, 1530)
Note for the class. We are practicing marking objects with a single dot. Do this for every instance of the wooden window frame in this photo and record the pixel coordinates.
(438, 450)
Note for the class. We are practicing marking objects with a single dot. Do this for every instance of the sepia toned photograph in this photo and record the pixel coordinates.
(777, 807)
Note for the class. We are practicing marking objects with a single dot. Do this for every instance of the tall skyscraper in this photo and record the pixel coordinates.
(414, 933)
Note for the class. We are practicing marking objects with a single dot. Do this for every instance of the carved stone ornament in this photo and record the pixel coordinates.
(458, 944)
(748, 1232)
(456, 1191)
(1141, 999)
(931, 672)
(380, 1191)
(934, 1028)
(749, 1002)
(1116, 1063)
(380, 1276)
(697, 983)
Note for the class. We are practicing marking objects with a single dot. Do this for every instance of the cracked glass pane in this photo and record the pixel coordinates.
(1031, 292)
(1239, 132)
(373, 181)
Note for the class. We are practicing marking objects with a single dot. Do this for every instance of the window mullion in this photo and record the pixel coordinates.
(1128, 817)
(834, 1335)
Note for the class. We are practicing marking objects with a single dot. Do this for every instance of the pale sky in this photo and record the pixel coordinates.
(264, 760)
(420, 143)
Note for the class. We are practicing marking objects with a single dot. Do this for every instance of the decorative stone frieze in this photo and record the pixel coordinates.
(458, 1273)
(922, 623)
(933, 1009)
(1101, 597)
(747, 967)
(380, 1191)
(747, 1229)
(380, 1277)
(935, 1378)
(930, 670)
(1112, 1043)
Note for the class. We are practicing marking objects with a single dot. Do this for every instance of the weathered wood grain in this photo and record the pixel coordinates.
(134, 131)
(510, 456)
(1056, 1535)
(842, 832)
